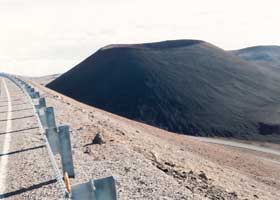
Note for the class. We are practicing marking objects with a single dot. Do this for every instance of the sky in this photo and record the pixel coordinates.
(39, 37)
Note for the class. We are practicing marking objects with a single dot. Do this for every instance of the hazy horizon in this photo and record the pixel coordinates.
(40, 38)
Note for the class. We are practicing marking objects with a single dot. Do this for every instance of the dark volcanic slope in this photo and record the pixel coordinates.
(185, 86)
(261, 55)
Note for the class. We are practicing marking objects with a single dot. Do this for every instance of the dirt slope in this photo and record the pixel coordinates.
(150, 163)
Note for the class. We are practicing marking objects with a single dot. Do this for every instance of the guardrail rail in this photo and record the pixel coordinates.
(57, 141)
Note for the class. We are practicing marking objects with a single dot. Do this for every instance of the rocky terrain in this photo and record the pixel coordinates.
(184, 86)
(150, 163)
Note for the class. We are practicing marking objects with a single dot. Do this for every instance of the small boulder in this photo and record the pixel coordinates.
(202, 175)
(98, 139)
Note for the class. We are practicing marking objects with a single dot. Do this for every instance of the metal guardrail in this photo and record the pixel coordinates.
(57, 141)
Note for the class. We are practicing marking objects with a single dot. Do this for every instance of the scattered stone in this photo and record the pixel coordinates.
(127, 169)
(142, 182)
(170, 164)
(203, 175)
(120, 131)
(57, 97)
(233, 194)
(79, 129)
(87, 150)
(98, 139)
(162, 168)
(90, 115)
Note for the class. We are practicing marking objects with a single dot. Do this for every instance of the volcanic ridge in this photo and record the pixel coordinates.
(183, 86)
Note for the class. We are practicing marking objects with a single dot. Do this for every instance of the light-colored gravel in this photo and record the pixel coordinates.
(29, 173)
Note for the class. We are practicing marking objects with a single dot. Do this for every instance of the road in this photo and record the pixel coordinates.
(239, 145)
(7, 139)
(25, 170)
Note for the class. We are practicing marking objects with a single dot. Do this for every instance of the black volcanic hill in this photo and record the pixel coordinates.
(261, 55)
(185, 86)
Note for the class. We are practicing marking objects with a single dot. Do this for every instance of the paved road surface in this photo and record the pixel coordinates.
(25, 171)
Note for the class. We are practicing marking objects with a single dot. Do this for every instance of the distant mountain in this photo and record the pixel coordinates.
(264, 55)
(44, 80)
(184, 86)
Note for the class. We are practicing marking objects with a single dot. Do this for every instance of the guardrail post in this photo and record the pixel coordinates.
(39, 103)
(47, 117)
(65, 150)
(105, 188)
(52, 136)
(35, 95)
(29, 89)
(100, 189)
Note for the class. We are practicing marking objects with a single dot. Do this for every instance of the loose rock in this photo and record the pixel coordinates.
(98, 139)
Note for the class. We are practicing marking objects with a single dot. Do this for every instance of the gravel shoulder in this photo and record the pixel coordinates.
(29, 174)
(150, 163)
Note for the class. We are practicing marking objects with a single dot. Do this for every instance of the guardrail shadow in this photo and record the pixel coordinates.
(19, 104)
(22, 150)
(13, 100)
(16, 118)
(23, 190)
(5, 98)
(20, 130)
(17, 110)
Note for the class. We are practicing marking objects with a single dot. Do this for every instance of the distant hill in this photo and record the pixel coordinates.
(261, 55)
(44, 80)
(184, 86)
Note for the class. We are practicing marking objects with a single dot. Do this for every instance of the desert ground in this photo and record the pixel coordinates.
(150, 163)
